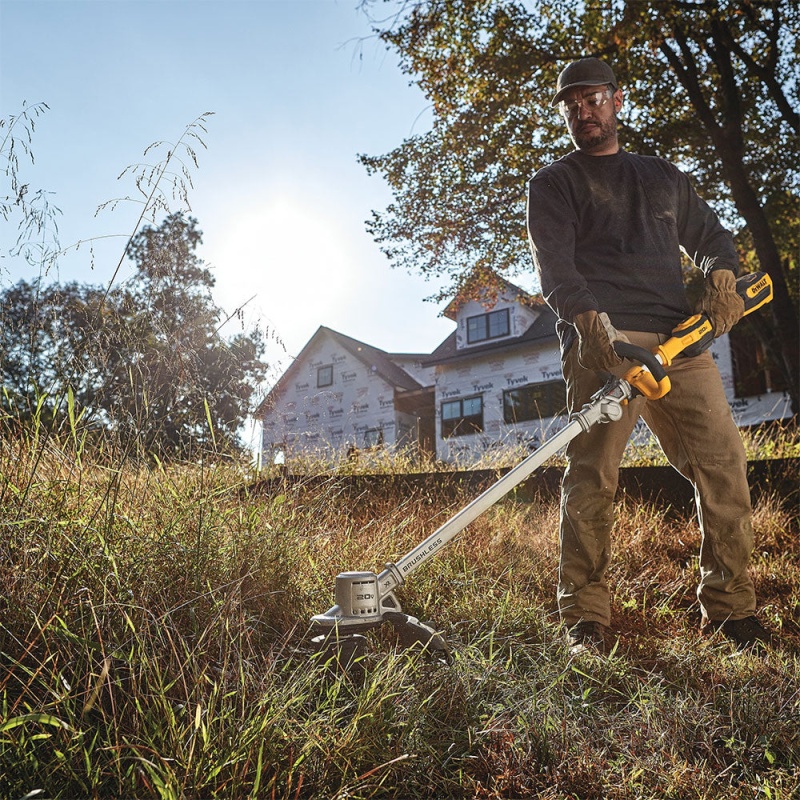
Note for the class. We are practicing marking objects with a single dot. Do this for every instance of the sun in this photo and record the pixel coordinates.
(288, 258)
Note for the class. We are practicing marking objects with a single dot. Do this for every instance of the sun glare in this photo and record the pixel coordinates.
(291, 257)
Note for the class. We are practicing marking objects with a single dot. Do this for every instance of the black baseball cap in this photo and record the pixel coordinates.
(588, 71)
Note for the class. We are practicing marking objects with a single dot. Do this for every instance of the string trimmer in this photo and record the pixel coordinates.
(365, 600)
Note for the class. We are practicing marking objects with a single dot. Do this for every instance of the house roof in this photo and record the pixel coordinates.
(542, 330)
(379, 361)
(489, 284)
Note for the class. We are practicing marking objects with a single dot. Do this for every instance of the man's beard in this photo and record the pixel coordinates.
(594, 135)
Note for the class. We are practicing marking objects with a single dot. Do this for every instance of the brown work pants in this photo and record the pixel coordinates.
(694, 426)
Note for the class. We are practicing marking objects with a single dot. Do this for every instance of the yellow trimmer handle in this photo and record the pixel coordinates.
(691, 337)
(648, 377)
(695, 335)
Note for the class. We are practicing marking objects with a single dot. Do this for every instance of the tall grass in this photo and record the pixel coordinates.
(154, 643)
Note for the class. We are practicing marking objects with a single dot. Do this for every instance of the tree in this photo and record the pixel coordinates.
(185, 386)
(707, 84)
(144, 361)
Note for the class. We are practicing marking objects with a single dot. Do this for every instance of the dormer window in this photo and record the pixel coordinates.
(484, 327)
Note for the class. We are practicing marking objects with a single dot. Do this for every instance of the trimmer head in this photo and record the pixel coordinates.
(360, 607)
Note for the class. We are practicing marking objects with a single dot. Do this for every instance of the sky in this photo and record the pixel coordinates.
(296, 88)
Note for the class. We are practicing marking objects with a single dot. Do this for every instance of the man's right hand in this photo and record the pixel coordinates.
(596, 336)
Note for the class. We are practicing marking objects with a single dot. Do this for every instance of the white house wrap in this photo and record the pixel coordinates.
(496, 380)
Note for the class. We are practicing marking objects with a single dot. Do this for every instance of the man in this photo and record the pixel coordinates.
(606, 229)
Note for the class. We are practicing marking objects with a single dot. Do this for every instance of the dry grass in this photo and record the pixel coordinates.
(154, 644)
(771, 440)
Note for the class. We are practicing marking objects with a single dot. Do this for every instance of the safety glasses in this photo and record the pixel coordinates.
(591, 100)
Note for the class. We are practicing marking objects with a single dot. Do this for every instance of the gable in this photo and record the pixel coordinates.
(331, 359)
(488, 287)
(491, 310)
(333, 396)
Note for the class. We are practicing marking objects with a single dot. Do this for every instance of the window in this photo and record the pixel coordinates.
(488, 326)
(461, 417)
(325, 376)
(535, 401)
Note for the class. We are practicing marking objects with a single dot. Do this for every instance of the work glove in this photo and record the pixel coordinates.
(596, 336)
(720, 301)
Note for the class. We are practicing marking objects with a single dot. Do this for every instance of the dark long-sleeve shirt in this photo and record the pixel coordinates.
(606, 232)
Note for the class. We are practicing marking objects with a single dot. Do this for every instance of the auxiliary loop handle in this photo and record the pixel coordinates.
(649, 376)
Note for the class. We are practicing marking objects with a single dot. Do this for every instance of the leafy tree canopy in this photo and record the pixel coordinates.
(143, 362)
(707, 85)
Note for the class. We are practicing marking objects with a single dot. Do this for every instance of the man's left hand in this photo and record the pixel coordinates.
(720, 301)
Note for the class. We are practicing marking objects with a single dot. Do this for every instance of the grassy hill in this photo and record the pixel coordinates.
(154, 643)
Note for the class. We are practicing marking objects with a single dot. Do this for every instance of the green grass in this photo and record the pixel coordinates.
(154, 643)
